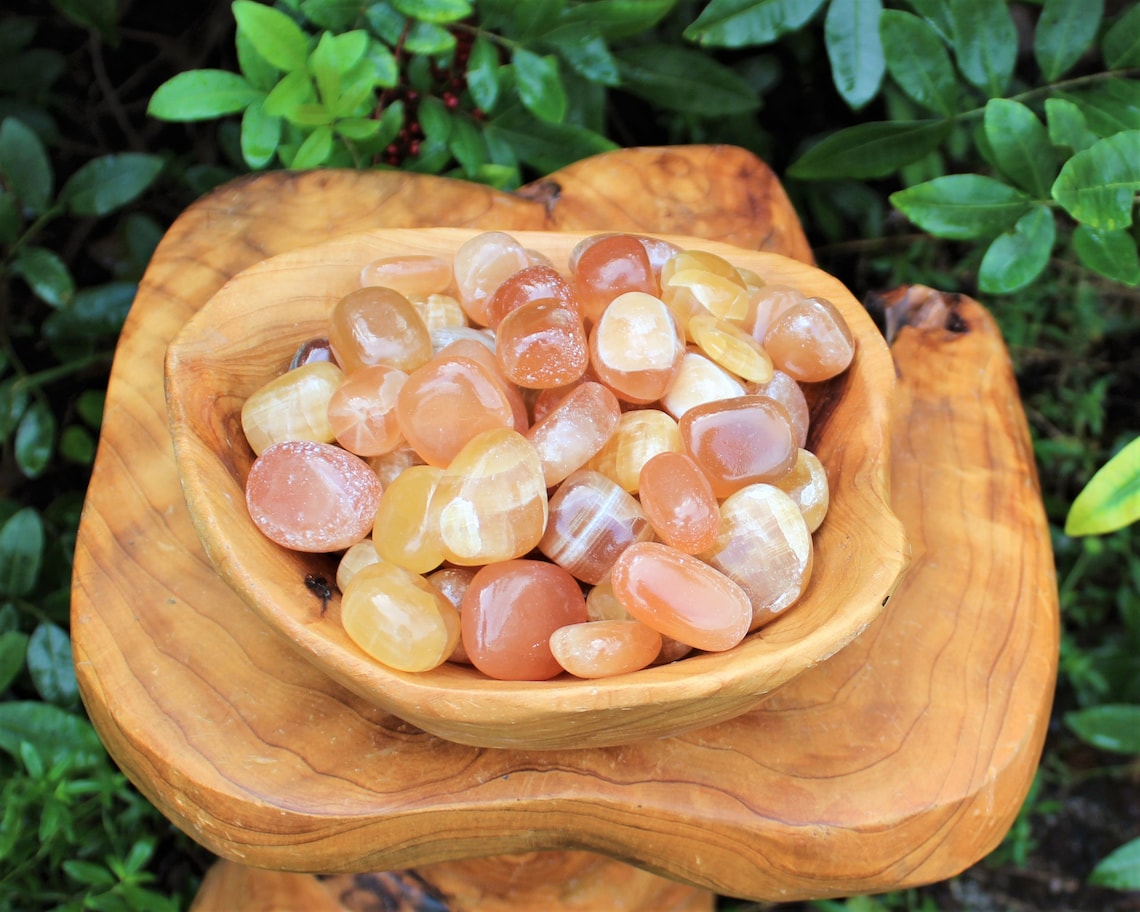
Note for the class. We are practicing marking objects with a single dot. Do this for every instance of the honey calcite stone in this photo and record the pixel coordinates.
(574, 430)
(402, 532)
(535, 283)
(592, 520)
(446, 403)
(292, 406)
(399, 618)
(411, 275)
(490, 504)
(810, 341)
(312, 497)
(641, 434)
(679, 502)
(764, 545)
(609, 267)
(807, 485)
(681, 596)
(602, 649)
(481, 265)
(542, 344)
(740, 441)
(636, 347)
(362, 410)
(378, 326)
(791, 396)
(508, 613)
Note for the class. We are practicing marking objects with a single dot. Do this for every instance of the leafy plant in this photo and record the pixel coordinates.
(947, 73)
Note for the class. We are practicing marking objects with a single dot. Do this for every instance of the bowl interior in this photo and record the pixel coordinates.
(248, 332)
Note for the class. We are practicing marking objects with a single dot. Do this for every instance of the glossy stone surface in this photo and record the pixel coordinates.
(574, 430)
(791, 396)
(611, 266)
(362, 410)
(481, 264)
(452, 583)
(731, 347)
(481, 353)
(635, 347)
(698, 380)
(641, 434)
(490, 503)
(292, 406)
(807, 485)
(602, 649)
(446, 403)
(355, 559)
(810, 341)
(439, 311)
(679, 503)
(399, 618)
(592, 520)
(542, 344)
(410, 274)
(765, 546)
(681, 596)
(509, 611)
(402, 532)
(378, 326)
(534, 283)
(740, 441)
(767, 303)
(312, 496)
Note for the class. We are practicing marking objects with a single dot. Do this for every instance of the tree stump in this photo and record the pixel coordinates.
(899, 761)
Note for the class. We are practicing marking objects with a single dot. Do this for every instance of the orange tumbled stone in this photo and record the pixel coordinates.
(542, 344)
(807, 485)
(490, 503)
(740, 441)
(452, 582)
(402, 532)
(312, 496)
(362, 410)
(574, 430)
(446, 403)
(636, 347)
(591, 521)
(411, 275)
(609, 267)
(679, 502)
(534, 283)
(641, 434)
(378, 326)
(810, 341)
(481, 265)
(292, 406)
(355, 559)
(399, 618)
(764, 545)
(681, 596)
(482, 353)
(602, 649)
(791, 396)
(508, 613)
(766, 303)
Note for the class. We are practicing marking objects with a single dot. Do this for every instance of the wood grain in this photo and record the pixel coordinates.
(899, 761)
(244, 335)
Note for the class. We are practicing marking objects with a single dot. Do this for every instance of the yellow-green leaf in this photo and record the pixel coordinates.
(1111, 499)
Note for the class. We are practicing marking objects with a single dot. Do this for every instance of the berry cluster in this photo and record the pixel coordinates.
(448, 83)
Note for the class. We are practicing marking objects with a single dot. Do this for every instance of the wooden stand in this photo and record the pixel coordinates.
(901, 760)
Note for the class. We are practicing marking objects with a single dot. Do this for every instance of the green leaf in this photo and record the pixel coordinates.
(1110, 106)
(201, 95)
(545, 146)
(466, 144)
(14, 397)
(259, 72)
(21, 552)
(1120, 869)
(1110, 726)
(275, 36)
(428, 39)
(35, 439)
(334, 15)
(870, 149)
(585, 52)
(851, 33)
(985, 41)
(13, 648)
(1067, 126)
(324, 69)
(385, 70)
(615, 19)
(686, 80)
(1015, 258)
(87, 872)
(51, 666)
(77, 445)
(89, 407)
(1065, 30)
(483, 73)
(24, 165)
(95, 312)
(936, 14)
(1121, 43)
(314, 151)
(539, 85)
(962, 206)
(287, 97)
(741, 23)
(434, 10)
(1110, 501)
(104, 184)
(435, 118)
(260, 134)
(1110, 253)
(10, 220)
(55, 733)
(357, 129)
(918, 61)
(1020, 146)
(46, 274)
(1097, 186)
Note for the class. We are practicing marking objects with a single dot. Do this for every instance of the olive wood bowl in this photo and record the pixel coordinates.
(247, 333)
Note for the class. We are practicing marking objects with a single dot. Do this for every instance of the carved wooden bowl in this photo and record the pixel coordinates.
(248, 332)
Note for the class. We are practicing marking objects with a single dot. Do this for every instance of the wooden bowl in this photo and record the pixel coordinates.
(248, 332)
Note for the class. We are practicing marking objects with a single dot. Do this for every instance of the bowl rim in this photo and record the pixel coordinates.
(453, 701)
